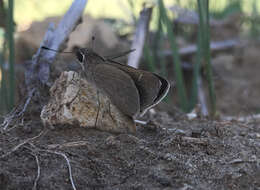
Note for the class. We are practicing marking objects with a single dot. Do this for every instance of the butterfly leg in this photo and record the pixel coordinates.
(98, 108)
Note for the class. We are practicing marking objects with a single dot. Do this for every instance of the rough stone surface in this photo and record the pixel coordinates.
(76, 101)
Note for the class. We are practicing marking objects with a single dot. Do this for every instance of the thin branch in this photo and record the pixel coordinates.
(214, 46)
(139, 37)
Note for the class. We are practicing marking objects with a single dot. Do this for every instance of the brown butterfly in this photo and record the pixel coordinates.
(132, 91)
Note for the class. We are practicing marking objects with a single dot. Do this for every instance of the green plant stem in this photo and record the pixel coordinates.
(203, 6)
(157, 39)
(196, 74)
(10, 37)
(176, 60)
(3, 88)
(209, 65)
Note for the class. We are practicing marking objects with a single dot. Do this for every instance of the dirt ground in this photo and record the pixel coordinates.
(169, 153)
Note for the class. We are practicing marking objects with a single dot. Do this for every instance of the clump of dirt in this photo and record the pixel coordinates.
(167, 153)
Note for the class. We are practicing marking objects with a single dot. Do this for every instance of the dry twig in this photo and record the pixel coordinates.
(38, 172)
(139, 37)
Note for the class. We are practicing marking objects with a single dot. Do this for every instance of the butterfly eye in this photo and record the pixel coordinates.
(80, 56)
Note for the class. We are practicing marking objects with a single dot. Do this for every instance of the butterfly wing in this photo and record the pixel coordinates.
(151, 87)
(119, 87)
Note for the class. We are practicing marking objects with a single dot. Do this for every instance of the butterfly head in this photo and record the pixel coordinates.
(87, 56)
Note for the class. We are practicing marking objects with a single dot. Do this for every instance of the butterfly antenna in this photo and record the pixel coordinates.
(46, 48)
(120, 55)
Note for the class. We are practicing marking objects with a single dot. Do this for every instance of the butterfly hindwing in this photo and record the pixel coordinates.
(148, 84)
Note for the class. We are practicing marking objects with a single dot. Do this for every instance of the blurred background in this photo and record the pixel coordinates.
(208, 50)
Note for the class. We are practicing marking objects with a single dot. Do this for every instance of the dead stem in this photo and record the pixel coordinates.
(38, 172)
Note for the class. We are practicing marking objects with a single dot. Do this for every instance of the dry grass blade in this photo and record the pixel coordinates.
(69, 144)
(68, 164)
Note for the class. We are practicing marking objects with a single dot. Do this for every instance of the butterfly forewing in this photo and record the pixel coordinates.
(119, 87)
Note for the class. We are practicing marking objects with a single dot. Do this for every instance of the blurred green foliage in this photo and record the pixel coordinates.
(127, 11)
(7, 71)
(10, 42)
(27, 11)
(204, 53)
(164, 19)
